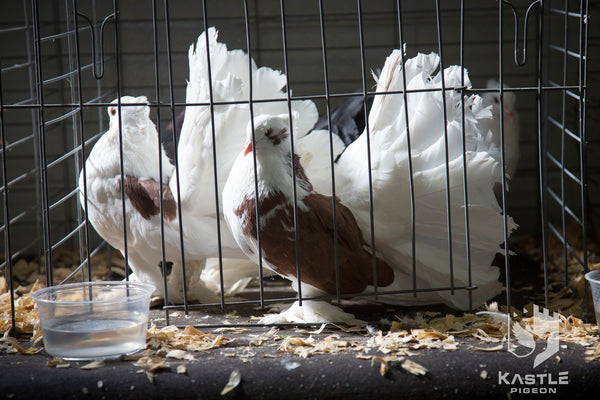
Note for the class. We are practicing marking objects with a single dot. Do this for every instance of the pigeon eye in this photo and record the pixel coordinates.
(269, 132)
(113, 111)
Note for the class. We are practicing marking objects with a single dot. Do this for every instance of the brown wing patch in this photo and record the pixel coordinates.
(144, 196)
(317, 251)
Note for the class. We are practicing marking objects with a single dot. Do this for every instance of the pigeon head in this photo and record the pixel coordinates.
(509, 98)
(137, 111)
(270, 132)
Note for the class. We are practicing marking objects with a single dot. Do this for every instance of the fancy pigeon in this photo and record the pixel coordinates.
(430, 127)
(230, 83)
(391, 184)
(314, 223)
(143, 189)
(510, 118)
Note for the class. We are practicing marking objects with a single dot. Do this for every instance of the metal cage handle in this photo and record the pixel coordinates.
(538, 3)
(95, 62)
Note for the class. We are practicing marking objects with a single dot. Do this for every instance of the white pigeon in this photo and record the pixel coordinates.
(230, 83)
(142, 190)
(510, 120)
(391, 191)
(313, 224)
(391, 188)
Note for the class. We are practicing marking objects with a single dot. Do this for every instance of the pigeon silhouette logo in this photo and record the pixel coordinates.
(542, 323)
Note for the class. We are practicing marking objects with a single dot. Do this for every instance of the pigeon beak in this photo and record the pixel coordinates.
(248, 149)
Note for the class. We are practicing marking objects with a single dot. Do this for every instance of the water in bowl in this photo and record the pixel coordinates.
(93, 338)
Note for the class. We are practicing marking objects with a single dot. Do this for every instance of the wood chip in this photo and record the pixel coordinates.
(234, 380)
(94, 364)
(414, 368)
(494, 348)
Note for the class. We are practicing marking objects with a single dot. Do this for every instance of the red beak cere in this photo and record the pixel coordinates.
(248, 149)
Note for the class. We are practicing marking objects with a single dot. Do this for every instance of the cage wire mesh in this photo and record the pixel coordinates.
(63, 62)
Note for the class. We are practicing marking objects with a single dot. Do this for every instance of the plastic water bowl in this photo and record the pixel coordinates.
(593, 278)
(92, 320)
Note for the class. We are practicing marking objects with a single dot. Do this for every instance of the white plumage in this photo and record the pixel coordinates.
(230, 83)
(510, 118)
(142, 190)
(391, 190)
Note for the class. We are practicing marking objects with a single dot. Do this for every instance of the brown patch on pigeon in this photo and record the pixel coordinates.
(316, 242)
(144, 197)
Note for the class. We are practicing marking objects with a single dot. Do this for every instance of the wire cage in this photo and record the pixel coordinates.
(63, 62)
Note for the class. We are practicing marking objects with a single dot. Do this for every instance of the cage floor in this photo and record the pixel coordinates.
(269, 369)
(279, 375)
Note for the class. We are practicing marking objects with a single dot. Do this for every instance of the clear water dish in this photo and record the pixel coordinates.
(92, 320)
(593, 278)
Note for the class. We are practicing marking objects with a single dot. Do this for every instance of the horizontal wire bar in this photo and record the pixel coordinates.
(568, 173)
(21, 251)
(29, 100)
(20, 216)
(67, 237)
(562, 12)
(17, 66)
(568, 52)
(306, 97)
(64, 199)
(559, 125)
(60, 118)
(67, 74)
(81, 265)
(18, 179)
(14, 29)
(565, 243)
(64, 34)
(93, 253)
(564, 206)
(326, 297)
(567, 91)
(18, 142)
(74, 150)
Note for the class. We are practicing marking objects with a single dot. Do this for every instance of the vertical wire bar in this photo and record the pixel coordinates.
(214, 148)
(583, 53)
(503, 176)
(86, 230)
(563, 143)
(336, 262)
(160, 168)
(76, 156)
(413, 221)
(368, 133)
(42, 145)
(464, 149)
(67, 214)
(294, 188)
(542, 156)
(36, 160)
(175, 154)
(7, 234)
(120, 126)
(448, 203)
(251, 109)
